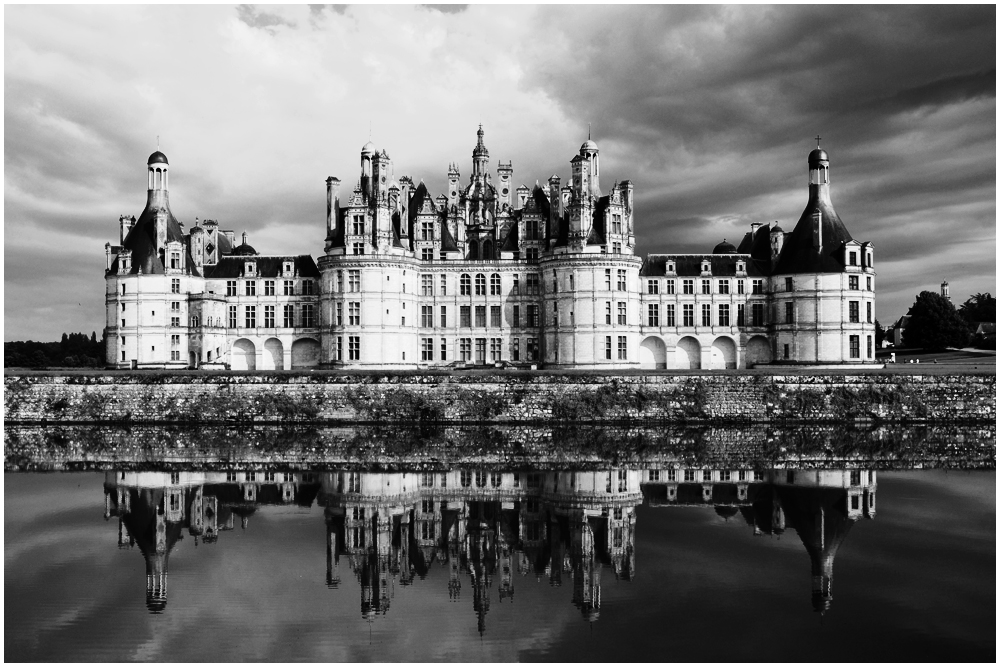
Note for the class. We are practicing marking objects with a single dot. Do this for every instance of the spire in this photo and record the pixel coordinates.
(818, 139)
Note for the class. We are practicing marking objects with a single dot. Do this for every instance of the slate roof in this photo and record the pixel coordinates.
(510, 244)
(799, 254)
(690, 265)
(267, 266)
(597, 232)
(141, 240)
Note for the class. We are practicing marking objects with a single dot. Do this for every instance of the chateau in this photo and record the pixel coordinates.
(487, 273)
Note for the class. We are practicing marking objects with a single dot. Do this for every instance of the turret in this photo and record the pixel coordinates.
(480, 156)
(332, 204)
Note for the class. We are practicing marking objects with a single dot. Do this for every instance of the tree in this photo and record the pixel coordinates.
(935, 324)
(879, 334)
(979, 308)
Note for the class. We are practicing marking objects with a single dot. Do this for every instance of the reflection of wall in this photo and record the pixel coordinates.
(486, 525)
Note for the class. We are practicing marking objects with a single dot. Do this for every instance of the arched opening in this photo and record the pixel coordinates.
(192, 360)
(723, 353)
(473, 250)
(243, 356)
(652, 353)
(687, 354)
(487, 250)
(758, 351)
(305, 353)
(274, 355)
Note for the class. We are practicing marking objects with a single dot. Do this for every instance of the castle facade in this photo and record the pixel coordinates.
(487, 273)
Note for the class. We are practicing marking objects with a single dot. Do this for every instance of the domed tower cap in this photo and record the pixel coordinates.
(818, 155)
(588, 145)
(724, 248)
(157, 158)
(368, 149)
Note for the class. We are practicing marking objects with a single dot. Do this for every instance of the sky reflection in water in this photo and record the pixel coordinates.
(685, 578)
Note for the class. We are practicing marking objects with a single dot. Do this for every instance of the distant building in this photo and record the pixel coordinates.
(488, 273)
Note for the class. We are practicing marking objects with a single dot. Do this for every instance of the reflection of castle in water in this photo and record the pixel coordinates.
(485, 526)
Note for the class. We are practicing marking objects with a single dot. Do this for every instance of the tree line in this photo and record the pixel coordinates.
(75, 350)
(935, 323)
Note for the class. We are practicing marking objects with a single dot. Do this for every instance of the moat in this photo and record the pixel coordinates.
(500, 544)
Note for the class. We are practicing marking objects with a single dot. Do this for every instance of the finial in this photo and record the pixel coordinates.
(818, 138)
(157, 142)
(588, 131)
(244, 237)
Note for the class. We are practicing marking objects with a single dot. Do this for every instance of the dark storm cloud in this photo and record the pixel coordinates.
(711, 110)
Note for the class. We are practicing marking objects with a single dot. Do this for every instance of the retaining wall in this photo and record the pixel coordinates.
(497, 398)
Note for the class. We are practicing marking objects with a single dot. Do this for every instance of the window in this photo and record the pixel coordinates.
(250, 316)
(427, 284)
(427, 316)
(444, 316)
(853, 314)
(232, 317)
(495, 284)
(354, 348)
(531, 254)
(175, 260)
(653, 318)
(607, 312)
(338, 353)
(289, 288)
(555, 282)
(495, 344)
(607, 347)
(308, 315)
(465, 283)
(757, 314)
(288, 316)
(869, 347)
(869, 260)
(671, 315)
(723, 314)
(789, 312)
(230, 288)
(616, 223)
(354, 313)
(427, 230)
(495, 316)
(175, 306)
(622, 348)
(652, 286)
(340, 281)
(622, 287)
(480, 316)
(869, 309)
(480, 284)
(515, 320)
(357, 248)
(358, 225)
(465, 316)
(607, 279)
(353, 280)
(123, 289)
(465, 348)
(868, 281)
(444, 349)
(852, 282)
(786, 351)
(706, 286)
(852, 258)
(175, 321)
(706, 314)
(531, 230)
(308, 286)
(532, 315)
(175, 286)
(532, 283)
(444, 285)
(855, 342)
(516, 287)
(688, 286)
(741, 315)
(622, 313)
(175, 340)
(689, 314)
(758, 286)
(740, 286)
(616, 247)
(723, 287)
(340, 315)
(515, 349)
(532, 349)
(251, 286)
(427, 349)
(269, 317)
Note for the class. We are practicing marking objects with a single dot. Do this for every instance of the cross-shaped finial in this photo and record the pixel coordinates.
(818, 140)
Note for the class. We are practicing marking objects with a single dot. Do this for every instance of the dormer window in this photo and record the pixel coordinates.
(741, 267)
(250, 268)
(706, 267)
(288, 268)
(671, 267)
(852, 258)
(175, 260)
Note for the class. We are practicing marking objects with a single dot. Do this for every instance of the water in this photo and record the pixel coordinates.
(584, 559)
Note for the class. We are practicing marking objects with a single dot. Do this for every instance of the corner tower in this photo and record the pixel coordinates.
(822, 283)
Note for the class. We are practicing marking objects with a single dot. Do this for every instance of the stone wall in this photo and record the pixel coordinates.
(496, 447)
(510, 398)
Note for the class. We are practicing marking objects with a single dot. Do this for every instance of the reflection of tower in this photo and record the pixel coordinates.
(334, 523)
(587, 574)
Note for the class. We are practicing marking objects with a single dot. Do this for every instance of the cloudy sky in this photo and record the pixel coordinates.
(710, 111)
